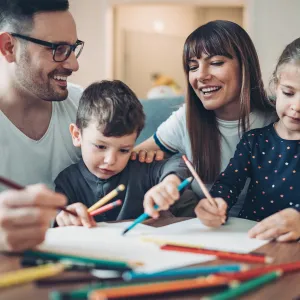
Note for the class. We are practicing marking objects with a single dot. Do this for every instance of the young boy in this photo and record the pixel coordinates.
(109, 120)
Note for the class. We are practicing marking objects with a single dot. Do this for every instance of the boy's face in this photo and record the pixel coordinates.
(103, 156)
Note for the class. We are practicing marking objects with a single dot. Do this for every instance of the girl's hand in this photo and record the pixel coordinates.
(163, 194)
(83, 218)
(147, 156)
(211, 215)
(283, 226)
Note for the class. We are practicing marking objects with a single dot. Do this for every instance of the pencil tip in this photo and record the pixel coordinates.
(125, 231)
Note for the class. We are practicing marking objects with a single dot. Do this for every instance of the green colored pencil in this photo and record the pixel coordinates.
(100, 263)
(239, 289)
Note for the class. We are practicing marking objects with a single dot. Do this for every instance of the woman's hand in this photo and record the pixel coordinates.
(147, 156)
(283, 226)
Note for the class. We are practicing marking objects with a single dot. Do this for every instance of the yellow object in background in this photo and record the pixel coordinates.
(30, 274)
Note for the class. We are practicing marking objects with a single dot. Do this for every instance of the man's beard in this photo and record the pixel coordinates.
(27, 80)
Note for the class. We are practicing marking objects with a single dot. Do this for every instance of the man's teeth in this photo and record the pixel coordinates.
(61, 78)
(210, 89)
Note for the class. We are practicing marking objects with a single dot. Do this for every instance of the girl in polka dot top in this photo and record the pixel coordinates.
(270, 157)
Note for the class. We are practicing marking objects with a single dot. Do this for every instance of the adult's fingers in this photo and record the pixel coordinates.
(133, 155)
(34, 195)
(159, 155)
(26, 216)
(22, 238)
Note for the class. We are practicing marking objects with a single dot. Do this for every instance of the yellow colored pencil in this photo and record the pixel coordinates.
(162, 242)
(30, 274)
(107, 198)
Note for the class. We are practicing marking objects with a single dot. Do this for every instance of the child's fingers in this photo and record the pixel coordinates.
(222, 206)
(62, 219)
(149, 206)
(82, 213)
(207, 218)
(212, 209)
(172, 193)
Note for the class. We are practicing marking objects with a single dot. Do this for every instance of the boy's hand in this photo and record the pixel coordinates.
(283, 226)
(83, 218)
(147, 156)
(163, 194)
(210, 215)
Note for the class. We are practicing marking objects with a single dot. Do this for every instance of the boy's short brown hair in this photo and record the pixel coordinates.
(114, 106)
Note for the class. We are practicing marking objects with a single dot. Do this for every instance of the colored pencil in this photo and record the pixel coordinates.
(200, 182)
(30, 274)
(183, 273)
(105, 264)
(240, 289)
(249, 274)
(156, 288)
(107, 197)
(16, 186)
(105, 208)
(144, 216)
(245, 257)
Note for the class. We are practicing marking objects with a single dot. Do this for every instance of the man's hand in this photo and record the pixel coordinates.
(283, 226)
(26, 215)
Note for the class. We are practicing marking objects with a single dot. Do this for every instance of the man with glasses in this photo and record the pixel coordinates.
(39, 49)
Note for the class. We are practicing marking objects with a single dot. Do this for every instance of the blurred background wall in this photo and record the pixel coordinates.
(132, 39)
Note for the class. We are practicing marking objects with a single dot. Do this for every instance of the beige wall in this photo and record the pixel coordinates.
(272, 24)
(93, 19)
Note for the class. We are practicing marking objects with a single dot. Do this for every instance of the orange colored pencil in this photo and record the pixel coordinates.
(245, 257)
(157, 288)
(248, 274)
(16, 186)
(200, 182)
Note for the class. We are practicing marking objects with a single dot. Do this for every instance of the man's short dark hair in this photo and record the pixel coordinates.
(114, 106)
(17, 15)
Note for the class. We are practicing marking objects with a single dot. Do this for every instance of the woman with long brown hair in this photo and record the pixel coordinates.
(225, 97)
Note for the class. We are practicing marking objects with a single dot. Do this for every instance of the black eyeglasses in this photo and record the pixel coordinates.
(61, 51)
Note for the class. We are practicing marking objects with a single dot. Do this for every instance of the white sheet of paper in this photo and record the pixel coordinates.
(106, 241)
(230, 237)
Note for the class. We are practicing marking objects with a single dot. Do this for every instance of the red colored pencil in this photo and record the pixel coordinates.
(248, 274)
(105, 208)
(16, 186)
(221, 254)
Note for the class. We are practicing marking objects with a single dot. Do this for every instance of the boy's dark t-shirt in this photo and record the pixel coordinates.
(80, 185)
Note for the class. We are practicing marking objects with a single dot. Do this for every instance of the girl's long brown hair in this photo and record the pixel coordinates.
(220, 38)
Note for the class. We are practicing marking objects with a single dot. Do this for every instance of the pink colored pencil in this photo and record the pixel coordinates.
(105, 208)
(200, 182)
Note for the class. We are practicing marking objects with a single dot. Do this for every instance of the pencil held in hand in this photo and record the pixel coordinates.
(200, 182)
(106, 208)
(16, 186)
(107, 198)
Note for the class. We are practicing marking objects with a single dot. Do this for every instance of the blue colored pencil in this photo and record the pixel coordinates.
(183, 273)
(144, 216)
